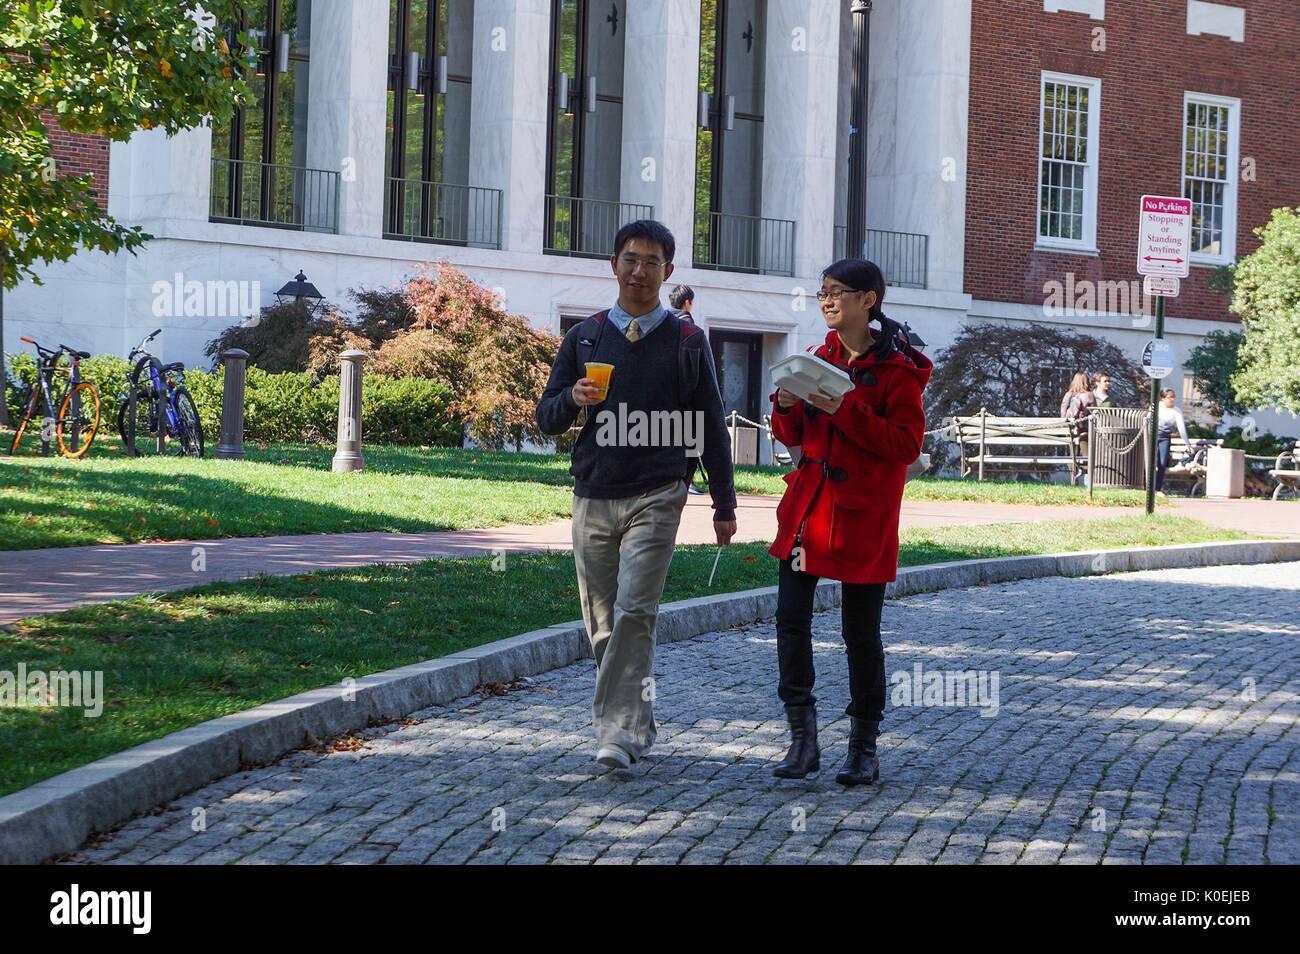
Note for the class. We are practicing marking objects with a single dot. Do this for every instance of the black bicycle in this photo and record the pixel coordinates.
(157, 406)
(77, 418)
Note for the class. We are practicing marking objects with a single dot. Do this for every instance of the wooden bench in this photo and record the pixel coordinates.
(1288, 478)
(1043, 443)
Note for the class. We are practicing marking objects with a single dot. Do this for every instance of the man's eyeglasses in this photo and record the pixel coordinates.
(630, 262)
(834, 294)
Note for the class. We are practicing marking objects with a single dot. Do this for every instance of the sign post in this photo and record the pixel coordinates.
(1164, 245)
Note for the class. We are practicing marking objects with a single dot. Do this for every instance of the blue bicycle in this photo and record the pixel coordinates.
(162, 405)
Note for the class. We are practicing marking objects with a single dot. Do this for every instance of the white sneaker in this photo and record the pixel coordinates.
(614, 757)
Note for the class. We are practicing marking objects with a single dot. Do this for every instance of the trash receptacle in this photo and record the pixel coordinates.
(1225, 472)
(1117, 443)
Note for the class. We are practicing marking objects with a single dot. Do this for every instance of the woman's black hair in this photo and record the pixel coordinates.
(862, 275)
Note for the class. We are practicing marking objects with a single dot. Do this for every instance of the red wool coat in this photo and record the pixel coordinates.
(848, 528)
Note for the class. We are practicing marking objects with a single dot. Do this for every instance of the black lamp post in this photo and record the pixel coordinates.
(302, 292)
(855, 226)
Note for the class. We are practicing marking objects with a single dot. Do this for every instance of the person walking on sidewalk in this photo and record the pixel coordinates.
(839, 515)
(628, 498)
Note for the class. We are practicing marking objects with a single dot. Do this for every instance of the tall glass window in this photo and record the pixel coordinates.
(430, 47)
(729, 150)
(1209, 164)
(585, 132)
(1067, 177)
(256, 154)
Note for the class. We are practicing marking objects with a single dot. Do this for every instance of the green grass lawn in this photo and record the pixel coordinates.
(176, 660)
(289, 489)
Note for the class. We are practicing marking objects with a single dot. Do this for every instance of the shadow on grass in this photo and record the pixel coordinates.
(67, 505)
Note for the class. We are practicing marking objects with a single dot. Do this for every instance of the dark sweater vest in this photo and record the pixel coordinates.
(644, 380)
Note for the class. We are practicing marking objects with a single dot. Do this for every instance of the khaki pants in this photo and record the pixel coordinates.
(622, 549)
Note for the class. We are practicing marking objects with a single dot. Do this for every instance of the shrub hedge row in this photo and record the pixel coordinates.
(284, 407)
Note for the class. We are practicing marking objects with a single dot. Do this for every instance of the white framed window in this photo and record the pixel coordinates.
(1211, 126)
(1070, 112)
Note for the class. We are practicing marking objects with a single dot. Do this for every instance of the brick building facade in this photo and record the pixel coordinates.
(1148, 64)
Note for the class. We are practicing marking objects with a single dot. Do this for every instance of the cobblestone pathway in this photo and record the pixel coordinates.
(1144, 717)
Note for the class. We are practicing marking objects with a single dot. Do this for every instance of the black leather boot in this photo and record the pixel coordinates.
(861, 767)
(804, 756)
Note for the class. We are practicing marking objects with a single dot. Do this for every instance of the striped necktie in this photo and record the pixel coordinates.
(633, 330)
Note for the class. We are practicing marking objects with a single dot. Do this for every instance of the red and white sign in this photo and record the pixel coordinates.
(1159, 285)
(1164, 236)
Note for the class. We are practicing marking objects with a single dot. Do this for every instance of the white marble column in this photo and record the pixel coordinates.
(508, 107)
(917, 128)
(661, 79)
(799, 116)
(347, 104)
(151, 176)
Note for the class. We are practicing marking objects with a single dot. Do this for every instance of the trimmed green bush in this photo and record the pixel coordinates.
(292, 407)
(288, 407)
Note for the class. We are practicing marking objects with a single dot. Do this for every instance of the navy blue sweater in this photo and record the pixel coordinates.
(637, 438)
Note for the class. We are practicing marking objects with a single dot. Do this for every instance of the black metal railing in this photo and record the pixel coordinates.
(442, 212)
(902, 256)
(248, 192)
(744, 243)
(586, 227)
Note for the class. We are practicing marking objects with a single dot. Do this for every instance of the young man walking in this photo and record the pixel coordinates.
(645, 423)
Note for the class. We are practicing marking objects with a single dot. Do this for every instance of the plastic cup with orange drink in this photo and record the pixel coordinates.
(600, 373)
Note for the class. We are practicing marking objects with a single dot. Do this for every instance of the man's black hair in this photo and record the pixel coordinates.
(680, 295)
(650, 231)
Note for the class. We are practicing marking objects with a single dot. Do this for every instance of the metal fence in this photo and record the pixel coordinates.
(586, 227)
(261, 193)
(442, 212)
(902, 256)
(744, 243)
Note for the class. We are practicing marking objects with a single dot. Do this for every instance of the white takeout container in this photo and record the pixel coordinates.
(805, 374)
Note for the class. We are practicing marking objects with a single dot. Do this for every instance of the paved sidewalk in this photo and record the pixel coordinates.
(1159, 726)
(56, 579)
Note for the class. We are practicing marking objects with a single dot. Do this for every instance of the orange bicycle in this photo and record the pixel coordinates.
(77, 420)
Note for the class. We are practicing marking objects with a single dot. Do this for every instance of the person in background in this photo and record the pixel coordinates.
(682, 299)
(1101, 390)
(1079, 399)
(1169, 418)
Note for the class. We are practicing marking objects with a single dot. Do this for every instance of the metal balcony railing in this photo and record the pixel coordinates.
(902, 256)
(586, 227)
(744, 243)
(422, 211)
(248, 192)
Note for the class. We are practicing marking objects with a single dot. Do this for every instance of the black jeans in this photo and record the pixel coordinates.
(1162, 460)
(860, 626)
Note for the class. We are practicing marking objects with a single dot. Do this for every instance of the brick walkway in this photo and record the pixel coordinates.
(1146, 717)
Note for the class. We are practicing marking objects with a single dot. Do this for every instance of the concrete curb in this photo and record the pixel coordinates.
(57, 815)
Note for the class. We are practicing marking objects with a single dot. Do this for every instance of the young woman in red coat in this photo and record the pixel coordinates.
(839, 515)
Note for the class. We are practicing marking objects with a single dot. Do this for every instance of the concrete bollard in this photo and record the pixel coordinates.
(231, 446)
(348, 456)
